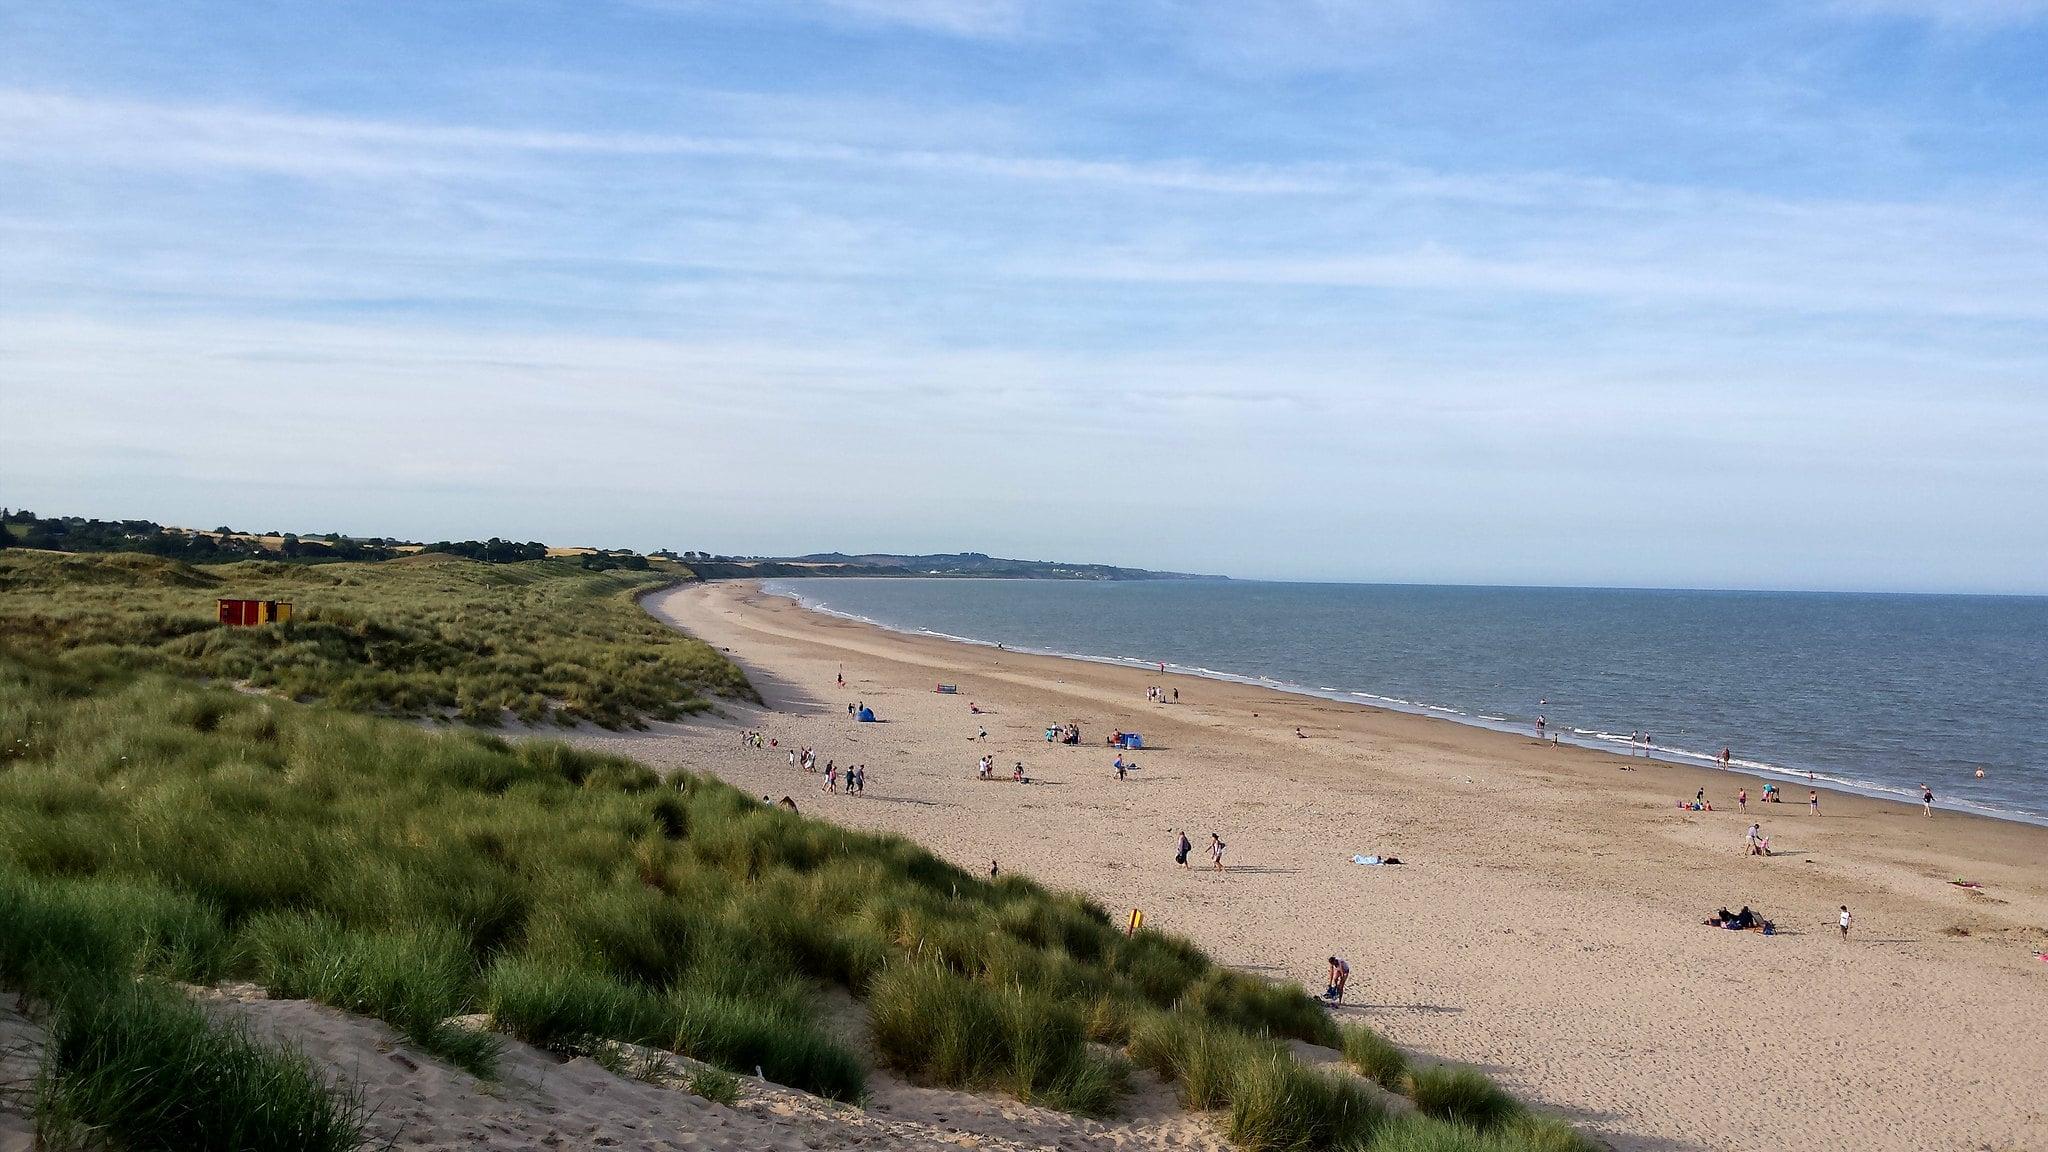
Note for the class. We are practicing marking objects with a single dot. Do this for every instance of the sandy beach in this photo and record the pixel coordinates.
(1546, 923)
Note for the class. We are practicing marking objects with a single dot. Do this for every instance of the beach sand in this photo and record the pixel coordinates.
(1546, 925)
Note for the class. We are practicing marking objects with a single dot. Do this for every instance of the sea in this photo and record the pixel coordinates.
(1871, 693)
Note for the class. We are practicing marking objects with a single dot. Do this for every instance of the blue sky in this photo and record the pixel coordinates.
(1703, 295)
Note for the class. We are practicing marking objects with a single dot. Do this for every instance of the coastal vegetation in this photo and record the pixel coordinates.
(426, 636)
(160, 829)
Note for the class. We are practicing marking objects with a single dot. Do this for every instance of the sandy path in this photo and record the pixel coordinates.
(1546, 927)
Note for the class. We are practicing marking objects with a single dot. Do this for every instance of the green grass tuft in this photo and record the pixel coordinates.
(1462, 1094)
(1414, 1132)
(413, 979)
(1278, 1105)
(143, 1070)
(716, 1085)
(1200, 1058)
(1375, 1057)
(943, 1028)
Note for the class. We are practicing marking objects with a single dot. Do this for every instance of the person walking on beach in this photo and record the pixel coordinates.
(1742, 799)
(1844, 921)
(1216, 847)
(1176, 695)
(1699, 798)
(1180, 855)
(1120, 767)
(980, 733)
(1927, 801)
(1812, 802)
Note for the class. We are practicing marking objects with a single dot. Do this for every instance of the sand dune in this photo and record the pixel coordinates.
(1546, 925)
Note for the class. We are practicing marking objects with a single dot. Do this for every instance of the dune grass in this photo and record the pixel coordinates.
(1279, 1105)
(154, 829)
(429, 635)
(944, 1028)
(716, 1085)
(1375, 1057)
(140, 1068)
(413, 978)
(1462, 1095)
(413, 875)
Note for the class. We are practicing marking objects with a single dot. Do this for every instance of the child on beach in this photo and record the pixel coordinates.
(1812, 802)
(1927, 800)
(1845, 919)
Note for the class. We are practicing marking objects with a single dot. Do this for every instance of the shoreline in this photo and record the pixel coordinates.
(1546, 926)
(1575, 738)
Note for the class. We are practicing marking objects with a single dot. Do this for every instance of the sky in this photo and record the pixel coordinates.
(1749, 295)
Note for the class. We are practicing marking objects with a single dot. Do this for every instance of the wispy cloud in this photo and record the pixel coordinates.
(36, 124)
(1949, 13)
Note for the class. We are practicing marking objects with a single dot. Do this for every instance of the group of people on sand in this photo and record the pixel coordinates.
(985, 769)
(851, 780)
(1741, 921)
(855, 777)
(1158, 695)
(1183, 846)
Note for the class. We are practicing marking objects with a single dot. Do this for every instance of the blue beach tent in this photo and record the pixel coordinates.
(867, 716)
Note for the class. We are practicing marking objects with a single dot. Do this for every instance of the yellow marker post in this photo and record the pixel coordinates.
(1137, 922)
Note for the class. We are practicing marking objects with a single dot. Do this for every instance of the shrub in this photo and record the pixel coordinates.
(1375, 1057)
(1277, 1105)
(142, 1069)
(1462, 1094)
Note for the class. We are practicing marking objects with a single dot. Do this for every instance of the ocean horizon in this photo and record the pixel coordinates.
(1877, 693)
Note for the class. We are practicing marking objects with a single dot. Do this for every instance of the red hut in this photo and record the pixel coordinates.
(246, 613)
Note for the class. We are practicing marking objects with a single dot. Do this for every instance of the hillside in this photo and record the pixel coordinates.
(429, 635)
(953, 564)
(498, 904)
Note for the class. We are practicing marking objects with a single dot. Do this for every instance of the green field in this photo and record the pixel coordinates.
(157, 829)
